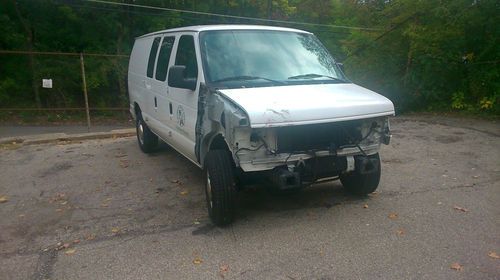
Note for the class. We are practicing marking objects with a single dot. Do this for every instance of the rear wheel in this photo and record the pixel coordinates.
(148, 141)
(362, 184)
(220, 187)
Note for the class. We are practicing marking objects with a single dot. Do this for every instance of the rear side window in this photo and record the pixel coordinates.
(152, 56)
(164, 58)
(186, 55)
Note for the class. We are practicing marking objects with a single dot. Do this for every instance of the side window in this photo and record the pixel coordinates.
(152, 56)
(186, 55)
(164, 58)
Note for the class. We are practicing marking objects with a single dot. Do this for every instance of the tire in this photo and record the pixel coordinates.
(220, 187)
(147, 140)
(362, 184)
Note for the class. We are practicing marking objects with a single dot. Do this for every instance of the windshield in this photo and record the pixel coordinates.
(236, 57)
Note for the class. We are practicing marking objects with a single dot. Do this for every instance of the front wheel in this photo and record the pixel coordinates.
(148, 141)
(361, 182)
(220, 187)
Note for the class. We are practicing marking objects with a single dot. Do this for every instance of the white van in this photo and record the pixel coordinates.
(245, 102)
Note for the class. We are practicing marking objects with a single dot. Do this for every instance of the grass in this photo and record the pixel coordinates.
(64, 118)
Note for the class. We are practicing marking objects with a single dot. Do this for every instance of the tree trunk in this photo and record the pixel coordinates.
(408, 66)
(31, 56)
(118, 66)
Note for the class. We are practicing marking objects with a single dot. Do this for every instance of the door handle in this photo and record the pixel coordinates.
(170, 107)
(156, 103)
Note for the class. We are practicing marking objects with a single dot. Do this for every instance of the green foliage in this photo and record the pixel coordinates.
(433, 55)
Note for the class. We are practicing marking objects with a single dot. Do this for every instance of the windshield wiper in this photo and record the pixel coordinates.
(312, 76)
(247, 78)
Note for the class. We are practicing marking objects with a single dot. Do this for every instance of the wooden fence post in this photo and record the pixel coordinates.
(87, 111)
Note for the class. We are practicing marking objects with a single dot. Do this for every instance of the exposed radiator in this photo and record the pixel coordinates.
(318, 136)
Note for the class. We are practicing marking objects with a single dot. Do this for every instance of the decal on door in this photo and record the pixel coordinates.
(181, 116)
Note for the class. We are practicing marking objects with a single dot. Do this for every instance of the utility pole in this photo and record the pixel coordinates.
(269, 9)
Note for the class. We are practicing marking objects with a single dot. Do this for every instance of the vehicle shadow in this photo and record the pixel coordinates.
(259, 201)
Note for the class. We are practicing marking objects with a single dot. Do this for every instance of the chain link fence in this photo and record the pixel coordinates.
(63, 85)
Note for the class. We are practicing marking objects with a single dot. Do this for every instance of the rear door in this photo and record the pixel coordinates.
(163, 112)
(150, 104)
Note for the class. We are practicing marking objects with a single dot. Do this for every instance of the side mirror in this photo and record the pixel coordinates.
(177, 78)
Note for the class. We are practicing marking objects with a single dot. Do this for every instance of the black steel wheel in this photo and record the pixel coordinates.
(362, 184)
(148, 141)
(220, 187)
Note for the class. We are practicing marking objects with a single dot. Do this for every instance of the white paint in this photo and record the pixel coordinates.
(200, 28)
(307, 104)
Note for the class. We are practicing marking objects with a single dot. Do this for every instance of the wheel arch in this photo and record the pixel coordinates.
(137, 110)
(216, 141)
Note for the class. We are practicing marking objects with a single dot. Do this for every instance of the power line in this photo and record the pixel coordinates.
(233, 17)
(61, 53)
(159, 14)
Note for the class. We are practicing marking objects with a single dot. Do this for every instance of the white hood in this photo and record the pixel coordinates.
(306, 104)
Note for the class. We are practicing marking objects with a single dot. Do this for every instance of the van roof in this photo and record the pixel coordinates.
(199, 28)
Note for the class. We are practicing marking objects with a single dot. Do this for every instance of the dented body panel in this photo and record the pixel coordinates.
(256, 148)
(308, 104)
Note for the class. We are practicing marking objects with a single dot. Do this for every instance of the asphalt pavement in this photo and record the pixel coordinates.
(29, 130)
(101, 209)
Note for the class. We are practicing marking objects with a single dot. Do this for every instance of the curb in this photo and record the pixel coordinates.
(57, 137)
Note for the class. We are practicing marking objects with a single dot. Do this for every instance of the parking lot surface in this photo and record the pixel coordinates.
(101, 209)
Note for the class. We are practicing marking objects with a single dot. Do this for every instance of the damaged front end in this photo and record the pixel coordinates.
(291, 156)
(302, 155)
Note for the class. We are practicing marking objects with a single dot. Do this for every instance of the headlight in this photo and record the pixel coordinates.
(375, 131)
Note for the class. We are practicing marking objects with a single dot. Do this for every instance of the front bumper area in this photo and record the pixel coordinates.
(271, 161)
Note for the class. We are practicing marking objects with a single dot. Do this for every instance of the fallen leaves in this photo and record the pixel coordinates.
(493, 255)
(393, 216)
(365, 206)
(184, 192)
(115, 230)
(58, 197)
(61, 246)
(90, 236)
(3, 199)
(223, 269)
(105, 202)
(197, 260)
(456, 266)
(400, 232)
(124, 163)
(458, 208)
(176, 181)
(70, 251)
